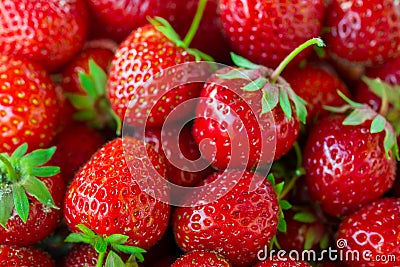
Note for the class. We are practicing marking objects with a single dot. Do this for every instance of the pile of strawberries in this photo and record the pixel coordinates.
(124, 143)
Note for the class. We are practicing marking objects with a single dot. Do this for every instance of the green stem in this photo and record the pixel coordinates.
(286, 61)
(100, 259)
(195, 23)
(11, 172)
(291, 184)
(385, 103)
(299, 155)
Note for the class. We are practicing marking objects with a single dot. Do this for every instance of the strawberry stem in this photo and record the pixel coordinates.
(100, 259)
(295, 52)
(195, 23)
(12, 175)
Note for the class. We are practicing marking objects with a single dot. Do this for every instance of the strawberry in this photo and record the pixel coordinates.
(185, 167)
(32, 194)
(48, 32)
(248, 115)
(75, 145)
(237, 225)
(107, 194)
(317, 87)
(199, 258)
(80, 255)
(373, 231)
(342, 154)
(24, 257)
(282, 262)
(266, 32)
(28, 105)
(363, 32)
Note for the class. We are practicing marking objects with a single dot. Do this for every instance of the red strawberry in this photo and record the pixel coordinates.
(24, 257)
(342, 155)
(28, 105)
(49, 32)
(200, 258)
(81, 255)
(373, 231)
(266, 32)
(237, 225)
(282, 262)
(144, 55)
(31, 196)
(105, 194)
(364, 32)
(317, 87)
(185, 167)
(75, 145)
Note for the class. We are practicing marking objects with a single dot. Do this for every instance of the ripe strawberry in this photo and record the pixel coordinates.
(48, 32)
(266, 32)
(238, 121)
(31, 196)
(28, 105)
(373, 231)
(342, 155)
(201, 258)
(24, 257)
(144, 55)
(363, 32)
(80, 255)
(185, 167)
(75, 145)
(107, 194)
(237, 225)
(282, 262)
(317, 87)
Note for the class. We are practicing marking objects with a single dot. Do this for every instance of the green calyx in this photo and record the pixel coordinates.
(94, 107)
(275, 89)
(165, 28)
(111, 244)
(360, 113)
(19, 177)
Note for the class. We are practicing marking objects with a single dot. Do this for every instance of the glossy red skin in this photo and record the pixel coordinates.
(363, 32)
(341, 160)
(279, 262)
(52, 41)
(388, 72)
(364, 229)
(296, 233)
(26, 116)
(42, 220)
(24, 257)
(265, 32)
(317, 87)
(237, 225)
(106, 197)
(75, 145)
(226, 122)
(164, 141)
(201, 258)
(80, 255)
(143, 54)
(120, 18)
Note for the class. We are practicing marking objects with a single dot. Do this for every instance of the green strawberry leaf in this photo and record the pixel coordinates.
(356, 117)
(85, 115)
(136, 251)
(78, 238)
(100, 245)
(305, 217)
(99, 78)
(165, 28)
(114, 260)
(38, 157)
(255, 85)
(285, 103)
(235, 74)
(278, 188)
(243, 62)
(271, 179)
(378, 124)
(80, 102)
(45, 171)
(310, 239)
(285, 205)
(282, 225)
(116, 239)
(324, 242)
(85, 230)
(349, 101)
(21, 202)
(38, 189)
(300, 106)
(270, 99)
(88, 85)
(20, 151)
(384, 90)
(6, 207)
